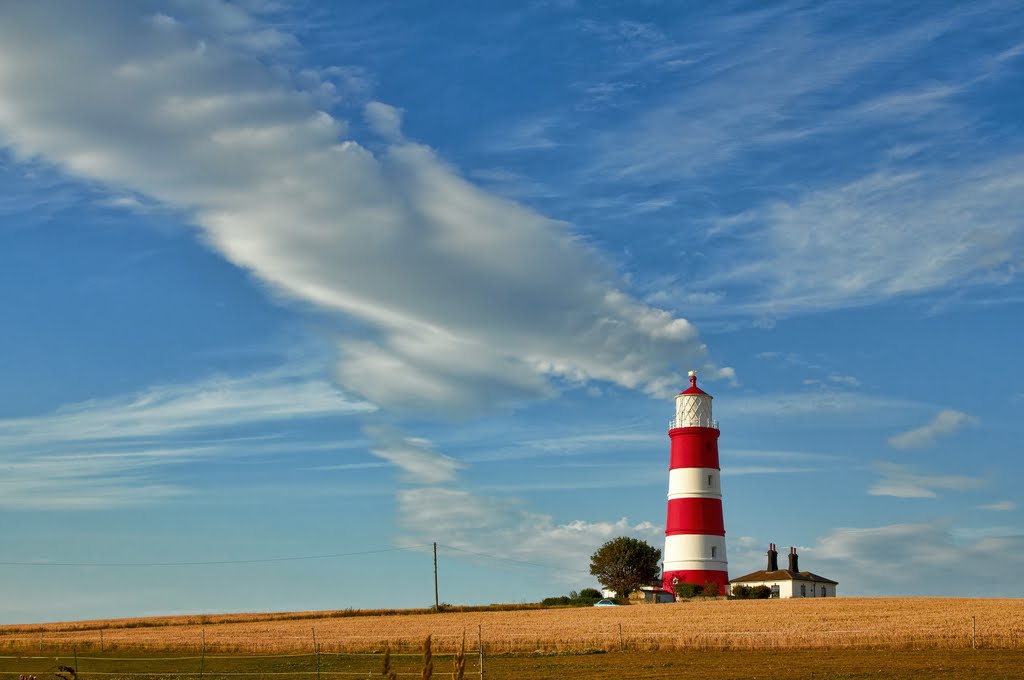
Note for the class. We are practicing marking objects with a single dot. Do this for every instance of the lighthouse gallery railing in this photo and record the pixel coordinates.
(676, 422)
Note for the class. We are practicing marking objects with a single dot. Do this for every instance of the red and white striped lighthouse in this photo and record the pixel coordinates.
(694, 531)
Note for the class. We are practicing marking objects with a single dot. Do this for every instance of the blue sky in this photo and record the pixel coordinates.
(335, 282)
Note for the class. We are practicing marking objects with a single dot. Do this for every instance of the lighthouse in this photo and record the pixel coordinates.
(695, 530)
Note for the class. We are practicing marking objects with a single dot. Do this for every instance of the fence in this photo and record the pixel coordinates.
(497, 638)
(102, 654)
(306, 666)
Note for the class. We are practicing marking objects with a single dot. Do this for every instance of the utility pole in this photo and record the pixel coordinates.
(437, 602)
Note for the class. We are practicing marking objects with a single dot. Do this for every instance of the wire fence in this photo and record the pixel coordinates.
(62, 650)
(494, 637)
(53, 653)
(305, 666)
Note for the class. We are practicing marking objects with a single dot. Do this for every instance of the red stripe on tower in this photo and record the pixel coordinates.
(695, 530)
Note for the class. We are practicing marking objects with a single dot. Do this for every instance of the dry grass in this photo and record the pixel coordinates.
(898, 623)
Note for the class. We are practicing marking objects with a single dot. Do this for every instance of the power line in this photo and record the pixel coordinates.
(208, 563)
(510, 559)
(298, 558)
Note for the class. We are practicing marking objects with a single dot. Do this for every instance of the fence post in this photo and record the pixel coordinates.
(74, 651)
(316, 649)
(974, 632)
(202, 653)
(480, 647)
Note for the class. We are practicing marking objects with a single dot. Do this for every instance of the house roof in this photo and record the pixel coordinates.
(782, 575)
(693, 389)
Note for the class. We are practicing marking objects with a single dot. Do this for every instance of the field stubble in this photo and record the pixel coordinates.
(837, 623)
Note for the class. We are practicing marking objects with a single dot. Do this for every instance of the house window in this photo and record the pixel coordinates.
(775, 590)
(803, 590)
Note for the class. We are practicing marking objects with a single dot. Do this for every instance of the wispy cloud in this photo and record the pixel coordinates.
(777, 462)
(884, 235)
(999, 506)
(744, 470)
(817, 399)
(463, 298)
(108, 453)
(751, 97)
(946, 422)
(528, 135)
(570, 445)
(902, 481)
(173, 410)
(856, 224)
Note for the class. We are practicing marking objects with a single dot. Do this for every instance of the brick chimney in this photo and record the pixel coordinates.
(793, 560)
(773, 558)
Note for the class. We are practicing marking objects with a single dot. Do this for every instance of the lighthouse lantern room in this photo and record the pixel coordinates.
(695, 530)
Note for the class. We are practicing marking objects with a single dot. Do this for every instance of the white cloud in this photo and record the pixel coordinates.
(999, 506)
(901, 481)
(466, 299)
(712, 372)
(500, 529)
(925, 558)
(385, 120)
(947, 421)
(415, 457)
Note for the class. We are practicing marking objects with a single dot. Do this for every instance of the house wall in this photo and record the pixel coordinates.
(791, 589)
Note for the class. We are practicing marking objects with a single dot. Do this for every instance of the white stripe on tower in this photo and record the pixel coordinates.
(694, 530)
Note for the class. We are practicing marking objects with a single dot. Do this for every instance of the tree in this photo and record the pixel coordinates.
(624, 564)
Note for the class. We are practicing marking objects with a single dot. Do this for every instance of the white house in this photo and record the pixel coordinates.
(790, 582)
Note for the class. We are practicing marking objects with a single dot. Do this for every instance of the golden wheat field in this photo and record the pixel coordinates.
(897, 623)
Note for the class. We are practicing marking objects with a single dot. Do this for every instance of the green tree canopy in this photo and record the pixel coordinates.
(624, 564)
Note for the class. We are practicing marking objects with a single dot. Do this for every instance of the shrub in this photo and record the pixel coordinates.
(584, 598)
(685, 591)
(751, 592)
(561, 600)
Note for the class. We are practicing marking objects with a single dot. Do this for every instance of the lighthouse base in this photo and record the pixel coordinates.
(705, 578)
